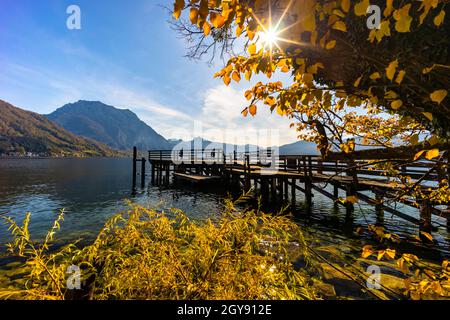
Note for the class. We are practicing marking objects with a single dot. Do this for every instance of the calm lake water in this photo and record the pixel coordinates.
(92, 190)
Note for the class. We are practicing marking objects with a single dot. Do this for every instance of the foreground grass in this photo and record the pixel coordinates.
(143, 254)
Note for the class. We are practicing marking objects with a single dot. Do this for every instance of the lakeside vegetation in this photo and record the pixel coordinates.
(143, 254)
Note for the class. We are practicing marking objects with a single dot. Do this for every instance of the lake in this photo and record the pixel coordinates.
(89, 190)
(92, 190)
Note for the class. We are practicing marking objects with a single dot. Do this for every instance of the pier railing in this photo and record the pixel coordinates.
(264, 169)
(296, 163)
(217, 156)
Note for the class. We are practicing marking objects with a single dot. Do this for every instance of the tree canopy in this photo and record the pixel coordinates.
(354, 80)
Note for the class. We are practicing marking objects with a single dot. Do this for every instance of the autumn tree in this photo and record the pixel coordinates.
(363, 72)
(371, 73)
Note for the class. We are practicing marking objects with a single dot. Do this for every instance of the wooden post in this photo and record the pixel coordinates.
(167, 173)
(153, 172)
(293, 192)
(307, 178)
(425, 215)
(247, 173)
(351, 187)
(134, 168)
(280, 187)
(286, 189)
(264, 189)
(160, 169)
(336, 186)
(142, 173)
(274, 189)
(379, 206)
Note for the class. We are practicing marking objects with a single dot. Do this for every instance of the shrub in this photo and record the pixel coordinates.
(145, 254)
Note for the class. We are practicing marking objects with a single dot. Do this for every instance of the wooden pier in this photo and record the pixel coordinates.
(277, 178)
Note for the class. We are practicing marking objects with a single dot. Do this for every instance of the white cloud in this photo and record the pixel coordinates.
(218, 116)
(221, 116)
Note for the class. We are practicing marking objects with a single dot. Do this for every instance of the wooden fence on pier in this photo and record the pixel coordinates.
(280, 177)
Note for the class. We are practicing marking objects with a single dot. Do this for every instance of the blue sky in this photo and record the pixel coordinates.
(125, 55)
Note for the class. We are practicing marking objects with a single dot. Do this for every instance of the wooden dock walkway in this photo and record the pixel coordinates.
(279, 178)
(197, 178)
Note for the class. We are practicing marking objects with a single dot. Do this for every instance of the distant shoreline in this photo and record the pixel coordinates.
(50, 157)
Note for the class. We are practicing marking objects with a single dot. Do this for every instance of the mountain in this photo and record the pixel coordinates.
(299, 147)
(296, 148)
(119, 129)
(201, 143)
(28, 132)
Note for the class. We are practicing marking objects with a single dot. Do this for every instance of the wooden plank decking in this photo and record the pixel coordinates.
(198, 178)
(281, 177)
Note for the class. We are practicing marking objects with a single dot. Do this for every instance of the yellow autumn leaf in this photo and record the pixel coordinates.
(226, 79)
(389, 8)
(397, 104)
(428, 69)
(366, 252)
(439, 18)
(177, 7)
(438, 95)
(204, 10)
(391, 95)
(391, 69)
(239, 30)
(193, 15)
(375, 76)
(345, 5)
(340, 25)
(390, 253)
(236, 76)
(252, 110)
(403, 19)
(427, 235)
(400, 76)
(270, 101)
(431, 154)
(357, 82)
(177, 14)
(380, 254)
(252, 49)
(330, 45)
(428, 115)
(352, 199)
(361, 7)
(418, 154)
(248, 94)
(206, 28)
(245, 112)
(433, 140)
(217, 20)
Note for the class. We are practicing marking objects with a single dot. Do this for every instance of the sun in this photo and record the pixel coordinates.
(271, 34)
(269, 38)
